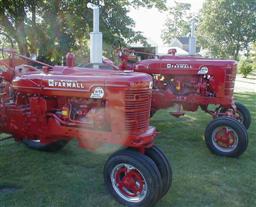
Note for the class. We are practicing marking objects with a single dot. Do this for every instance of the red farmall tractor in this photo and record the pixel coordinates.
(189, 83)
(45, 108)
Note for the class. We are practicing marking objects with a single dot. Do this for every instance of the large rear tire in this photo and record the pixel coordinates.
(163, 165)
(132, 178)
(225, 136)
(52, 147)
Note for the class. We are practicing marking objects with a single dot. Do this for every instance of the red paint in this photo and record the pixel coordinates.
(129, 182)
(70, 60)
(177, 81)
(225, 138)
(65, 102)
(172, 51)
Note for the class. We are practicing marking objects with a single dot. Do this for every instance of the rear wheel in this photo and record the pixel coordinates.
(163, 165)
(225, 136)
(132, 178)
(51, 147)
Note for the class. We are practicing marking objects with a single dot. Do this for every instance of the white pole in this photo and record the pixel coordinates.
(96, 17)
(192, 38)
(95, 36)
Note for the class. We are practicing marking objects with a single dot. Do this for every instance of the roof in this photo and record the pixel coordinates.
(183, 40)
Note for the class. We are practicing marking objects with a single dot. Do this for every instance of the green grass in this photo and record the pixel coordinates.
(73, 176)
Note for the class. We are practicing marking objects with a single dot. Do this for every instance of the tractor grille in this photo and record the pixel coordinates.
(137, 109)
(230, 80)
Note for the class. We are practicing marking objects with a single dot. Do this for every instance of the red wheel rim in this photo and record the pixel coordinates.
(225, 138)
(129, 183)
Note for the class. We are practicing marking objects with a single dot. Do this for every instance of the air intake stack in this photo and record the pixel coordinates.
(95, 36)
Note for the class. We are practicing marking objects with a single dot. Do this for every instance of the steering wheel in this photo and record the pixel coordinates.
(23, 69)
(120, 50)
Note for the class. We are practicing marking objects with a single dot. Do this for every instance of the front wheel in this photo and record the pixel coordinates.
(242, 114)
(132, 178)
(225, 136)
(163, 165)
(51, 147)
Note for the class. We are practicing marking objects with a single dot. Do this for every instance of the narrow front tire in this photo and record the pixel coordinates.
(244, 114)
(225, 136)
(132, 178)
(163, 165)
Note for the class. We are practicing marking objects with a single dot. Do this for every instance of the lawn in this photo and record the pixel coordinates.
(73, 176)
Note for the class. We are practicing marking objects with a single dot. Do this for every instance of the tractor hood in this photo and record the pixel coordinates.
(183, 65)
(79, 82)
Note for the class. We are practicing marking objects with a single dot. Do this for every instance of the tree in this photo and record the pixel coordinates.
(227, 27)
(54, 27)
(253, 55)
(12, 18)
(178, 22)
(245, 67)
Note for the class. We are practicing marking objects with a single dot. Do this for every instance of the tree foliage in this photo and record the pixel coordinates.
(178, 22)
(253, 55)
(227, 26)
(51, 28)
(245, 67)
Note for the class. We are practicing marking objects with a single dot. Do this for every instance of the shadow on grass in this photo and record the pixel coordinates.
(8, 188)
(247, 99)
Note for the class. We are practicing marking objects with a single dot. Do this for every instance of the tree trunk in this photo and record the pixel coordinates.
(33, 38)
(236, 52)
(21, 36)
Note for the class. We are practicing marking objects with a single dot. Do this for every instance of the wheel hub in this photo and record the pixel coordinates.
(129, 183)
(225, 138)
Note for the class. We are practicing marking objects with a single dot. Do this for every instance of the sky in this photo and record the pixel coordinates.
(151, 21)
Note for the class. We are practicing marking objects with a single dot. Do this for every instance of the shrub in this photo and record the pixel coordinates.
(245, 67)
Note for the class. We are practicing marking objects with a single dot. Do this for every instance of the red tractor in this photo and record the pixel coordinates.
(47, 107)
(187, 83)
